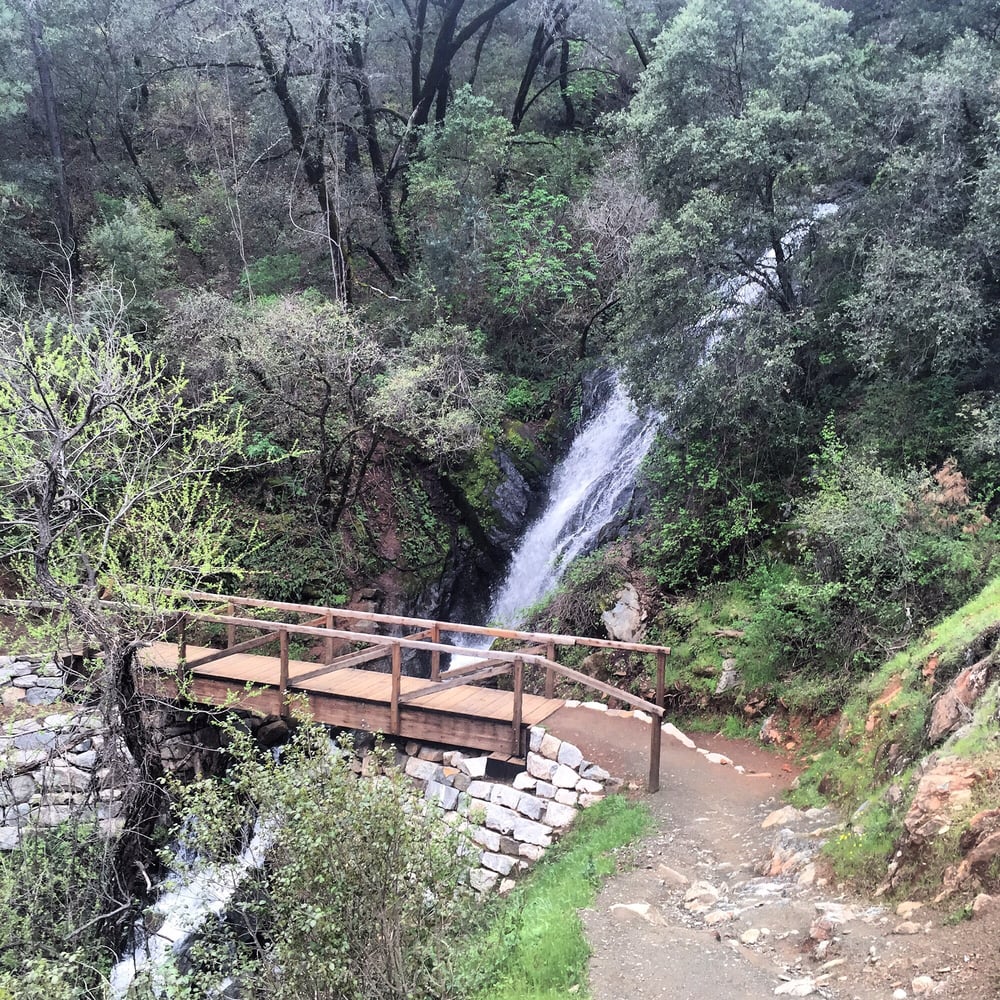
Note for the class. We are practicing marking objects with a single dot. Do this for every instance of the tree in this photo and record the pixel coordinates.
(108, 498)
(365, 894)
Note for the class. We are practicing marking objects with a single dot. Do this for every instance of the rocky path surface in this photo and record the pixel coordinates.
(727, 897)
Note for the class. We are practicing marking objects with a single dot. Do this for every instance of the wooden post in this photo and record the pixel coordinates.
(283, 669)
(328, 642)
(231, 629)
(397, 672)
(656, 732)
(184, 673)
(515, 743)
(550, 677)
(435, 653)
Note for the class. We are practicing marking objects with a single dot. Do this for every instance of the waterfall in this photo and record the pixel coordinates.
(189, 898)
(589, 485)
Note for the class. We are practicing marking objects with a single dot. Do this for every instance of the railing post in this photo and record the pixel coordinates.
(397, 672)
(183, 674)
(515, 744)
(283, 670)
(435, 653)
(656, 732)
(550, 677)
(231, 629)
(328, 642)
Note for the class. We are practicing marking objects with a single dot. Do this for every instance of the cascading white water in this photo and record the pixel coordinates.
(588, 487)
(189, 899)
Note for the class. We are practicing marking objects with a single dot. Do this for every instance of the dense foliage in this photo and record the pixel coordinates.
(375, 246)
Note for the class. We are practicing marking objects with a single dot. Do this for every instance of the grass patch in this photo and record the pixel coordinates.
(535, 948)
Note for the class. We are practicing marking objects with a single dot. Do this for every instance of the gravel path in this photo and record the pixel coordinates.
(718, 906)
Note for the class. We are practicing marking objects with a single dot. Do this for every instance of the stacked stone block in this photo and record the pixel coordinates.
(510, 825)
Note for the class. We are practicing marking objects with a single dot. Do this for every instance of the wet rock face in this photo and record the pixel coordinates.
(510, 503)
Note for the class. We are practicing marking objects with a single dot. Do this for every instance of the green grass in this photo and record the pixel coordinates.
(535, 948)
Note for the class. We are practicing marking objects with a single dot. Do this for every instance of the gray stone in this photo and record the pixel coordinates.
(594, 772)
(489, 839)
(530, 852)
(550, 746)
(570, 755)
(564, 777)
(587, 800)
(433, 754)
(480, 789)
(461, 781)
(530, 806)
(66, 778)
(474, 767)
(482, 880)
(524, 782)
(25, 681)
(529, 832)
(500, 863)
(559, 815)
(535, 735)
(49, 682)
(10, 838)
(453, 758)
(539, 767)
(589, 786)
(566, 797)
(544, 790)
(40, 739)
(504, 795)
(729, 678)
(508, 845)
(22, 669)
(424, 770)
(49, 670)
(624, 620)
(444, 794)
(502, 820)
(17, 789)
(42, 696)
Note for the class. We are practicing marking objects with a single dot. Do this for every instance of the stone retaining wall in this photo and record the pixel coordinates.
(510, 823)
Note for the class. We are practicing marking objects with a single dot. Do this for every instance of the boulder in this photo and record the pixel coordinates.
(624, 620)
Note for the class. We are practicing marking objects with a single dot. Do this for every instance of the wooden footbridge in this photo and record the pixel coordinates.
(449, 707)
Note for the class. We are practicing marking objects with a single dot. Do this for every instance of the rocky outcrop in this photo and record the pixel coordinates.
(954, 706)
(942, 793)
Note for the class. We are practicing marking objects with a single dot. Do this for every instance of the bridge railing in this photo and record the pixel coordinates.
(541, 654)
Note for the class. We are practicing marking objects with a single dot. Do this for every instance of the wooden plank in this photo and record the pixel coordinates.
(550, 677)
(656, 734)
(243, 647)
(466, 679)
(342, 662)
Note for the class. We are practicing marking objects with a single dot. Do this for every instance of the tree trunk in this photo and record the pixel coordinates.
(43, 66)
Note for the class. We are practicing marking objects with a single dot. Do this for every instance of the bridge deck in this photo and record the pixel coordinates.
(358, 699)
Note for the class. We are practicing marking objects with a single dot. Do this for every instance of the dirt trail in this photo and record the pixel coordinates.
(695, 919)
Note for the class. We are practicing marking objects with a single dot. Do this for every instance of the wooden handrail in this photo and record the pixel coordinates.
(405, 620)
